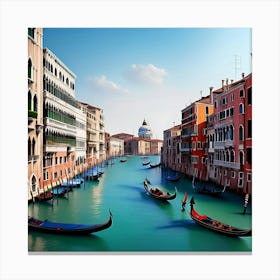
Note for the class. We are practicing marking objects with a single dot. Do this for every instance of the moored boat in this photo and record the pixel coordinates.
(155, 165)
(217, 226)
(146, 162)
(65, 228)
(157, 193)
(207, 189)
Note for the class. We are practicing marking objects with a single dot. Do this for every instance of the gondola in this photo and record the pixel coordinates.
(157, 193)
(62, 228)
(146, 162)
(207, 190)
(123, 160)
(217, 226)
(174, 178)
(155, 165)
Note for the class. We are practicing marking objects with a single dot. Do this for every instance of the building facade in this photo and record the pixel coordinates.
(60, 115)
(171, 156)
(193, 137)
(114, 146)
(95, 130)
(231, 136)
(35, 111)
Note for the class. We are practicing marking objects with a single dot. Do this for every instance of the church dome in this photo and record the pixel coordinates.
(145, 131)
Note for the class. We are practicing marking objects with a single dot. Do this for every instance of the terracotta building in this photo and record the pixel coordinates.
(35, 111)
(230, 137)
(193, 137)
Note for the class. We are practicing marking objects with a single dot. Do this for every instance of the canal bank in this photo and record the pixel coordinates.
(140, 223)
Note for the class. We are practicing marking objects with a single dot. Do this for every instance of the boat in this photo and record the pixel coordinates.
(146, 162)
(207, 190)
(63, 228)
(45, 196)
(155, 165)
(173, 178)
(158, 193)
(60, 191)
(215, 225)
(123, 160)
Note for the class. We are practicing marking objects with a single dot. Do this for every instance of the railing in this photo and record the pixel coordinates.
(228, 164)
(223, 144)
(32, 114)
(33, 157)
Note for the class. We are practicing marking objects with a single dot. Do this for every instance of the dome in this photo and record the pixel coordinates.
(145, 131)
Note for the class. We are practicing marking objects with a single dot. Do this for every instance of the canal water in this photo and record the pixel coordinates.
(140, 223)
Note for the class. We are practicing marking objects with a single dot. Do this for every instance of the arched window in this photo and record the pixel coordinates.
(29, 101)
(33, 147)
(29, 147)
(241, 133)
(231, 132)
(227, 155)
(241, 157)
(241, 108)
(33, 181)
(35, 104)
(232, 156)
(29, 69)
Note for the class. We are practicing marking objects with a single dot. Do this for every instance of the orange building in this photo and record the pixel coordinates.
(193, 137)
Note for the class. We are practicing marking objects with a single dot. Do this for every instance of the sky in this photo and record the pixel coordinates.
(148, 73)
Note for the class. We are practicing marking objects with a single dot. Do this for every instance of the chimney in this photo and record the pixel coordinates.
(243, 75)
(211, 95)
(223, 83)
(231, 81)
(227, 83)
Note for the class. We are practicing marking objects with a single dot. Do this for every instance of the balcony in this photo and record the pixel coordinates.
(219, 145)
(33, 158)
(185, 150)
(227, 164)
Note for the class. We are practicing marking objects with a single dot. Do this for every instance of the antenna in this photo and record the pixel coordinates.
(200, 93)
(237, 65)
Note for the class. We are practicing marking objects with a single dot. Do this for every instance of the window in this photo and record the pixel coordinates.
(206, 110)
(35, 104)
(232, 156)
(241, 157)
(193, 146)
(232, 174)
(241, 133)
(249, 155)
(249, 128)
(225, 172)
(241, 108)
(29, 101)
(241, 93)
(232, 97)
(240, 179)
(29, 69)
(31, 32)
(33, 181)
(249, 96)
(46, 175)
(249, 177)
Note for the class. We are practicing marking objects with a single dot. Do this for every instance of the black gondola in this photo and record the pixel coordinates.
(207, 190)
(146, 162)
(123, 160)
(62, 228)
(157, 193)
(155, 165)
(217, 226)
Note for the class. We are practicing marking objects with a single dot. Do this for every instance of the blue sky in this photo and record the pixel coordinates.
(151, 73)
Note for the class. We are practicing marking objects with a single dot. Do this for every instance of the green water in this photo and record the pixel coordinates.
(140, 223)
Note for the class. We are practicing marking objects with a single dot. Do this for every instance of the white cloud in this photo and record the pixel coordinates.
(105, 85)
(147, 74)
